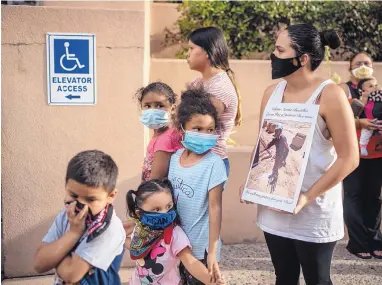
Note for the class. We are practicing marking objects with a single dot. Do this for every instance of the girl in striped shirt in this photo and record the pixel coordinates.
(208, 54)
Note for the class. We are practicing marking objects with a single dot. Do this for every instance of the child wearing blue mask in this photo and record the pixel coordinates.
(157, 101)
(197, 175)
(158, 244)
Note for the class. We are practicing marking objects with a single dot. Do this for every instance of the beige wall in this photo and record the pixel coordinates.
(90, 4)
(163, 15)
(38, 140)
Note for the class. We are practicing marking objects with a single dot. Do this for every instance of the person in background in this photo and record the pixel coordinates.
(362, 187)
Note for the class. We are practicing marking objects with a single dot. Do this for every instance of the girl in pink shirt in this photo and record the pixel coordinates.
(158, 244)
(157, 101)
(208, 54)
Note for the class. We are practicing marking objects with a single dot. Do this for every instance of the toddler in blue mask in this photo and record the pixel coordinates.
(158, 244)
(198, 175)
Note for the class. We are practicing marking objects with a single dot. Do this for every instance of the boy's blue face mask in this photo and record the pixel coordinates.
(198, 142)
(157, 221)
(154, 118)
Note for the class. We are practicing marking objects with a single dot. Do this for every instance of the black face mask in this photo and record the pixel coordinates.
(282, 67)
(79, 207)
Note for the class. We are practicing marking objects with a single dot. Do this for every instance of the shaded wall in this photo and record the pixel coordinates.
(38, 140)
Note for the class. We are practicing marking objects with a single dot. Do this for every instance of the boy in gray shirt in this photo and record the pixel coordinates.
(85, 244)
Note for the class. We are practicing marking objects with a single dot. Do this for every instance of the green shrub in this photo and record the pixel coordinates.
(252, 26)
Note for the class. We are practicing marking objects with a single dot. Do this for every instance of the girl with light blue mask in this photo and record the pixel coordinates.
(157, 101)
(198, 175)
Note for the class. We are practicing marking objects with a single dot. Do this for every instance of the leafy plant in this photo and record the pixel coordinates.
(252, 26)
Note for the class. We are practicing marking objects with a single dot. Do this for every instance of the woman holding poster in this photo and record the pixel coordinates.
(319, 129)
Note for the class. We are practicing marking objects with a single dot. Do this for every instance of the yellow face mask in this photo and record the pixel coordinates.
(362, 72)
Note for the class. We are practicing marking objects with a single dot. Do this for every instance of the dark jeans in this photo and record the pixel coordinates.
(288, 255)
(227, 166)
(362, 206)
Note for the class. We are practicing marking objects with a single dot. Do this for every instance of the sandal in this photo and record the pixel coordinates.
(358, 254)
(376, 256)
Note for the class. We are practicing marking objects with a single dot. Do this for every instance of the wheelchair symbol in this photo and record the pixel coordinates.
(70, 57)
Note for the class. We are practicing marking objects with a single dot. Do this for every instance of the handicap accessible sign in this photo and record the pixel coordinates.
(71, 69)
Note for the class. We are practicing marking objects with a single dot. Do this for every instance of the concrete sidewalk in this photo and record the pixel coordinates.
(250, 264)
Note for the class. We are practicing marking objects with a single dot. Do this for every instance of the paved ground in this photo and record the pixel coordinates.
(250, 264)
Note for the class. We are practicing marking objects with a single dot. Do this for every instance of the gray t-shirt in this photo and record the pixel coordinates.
(101, 251)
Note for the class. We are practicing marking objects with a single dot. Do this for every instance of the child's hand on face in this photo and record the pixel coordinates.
(77, 222)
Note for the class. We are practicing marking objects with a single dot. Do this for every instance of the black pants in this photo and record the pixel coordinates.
(288, 255)
(362, 206)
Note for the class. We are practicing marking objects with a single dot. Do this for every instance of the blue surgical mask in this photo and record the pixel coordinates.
(198, 142)
(154, 118)
(157, 221)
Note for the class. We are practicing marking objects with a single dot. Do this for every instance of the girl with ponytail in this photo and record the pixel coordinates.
(208, 54)
(158, 244)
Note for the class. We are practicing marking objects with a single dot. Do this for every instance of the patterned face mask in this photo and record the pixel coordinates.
(97, 224)
(362, 72)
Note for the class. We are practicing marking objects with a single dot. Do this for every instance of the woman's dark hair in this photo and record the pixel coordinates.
(307, 40)
(362, 81)
(93, 168)
(195, 101)
(356, 54)
(211, 39)
(156, 87)
(135, 199)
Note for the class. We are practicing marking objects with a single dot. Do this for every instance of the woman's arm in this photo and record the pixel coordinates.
(336, 111)
(346, 89)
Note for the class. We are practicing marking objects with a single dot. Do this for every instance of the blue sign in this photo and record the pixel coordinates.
(71, 69)
(71, 56)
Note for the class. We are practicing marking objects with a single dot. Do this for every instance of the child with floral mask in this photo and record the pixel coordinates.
(197, 175)
(157, 101)
(158, 244)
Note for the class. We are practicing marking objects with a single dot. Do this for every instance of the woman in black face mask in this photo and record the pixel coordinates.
(307, 237)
